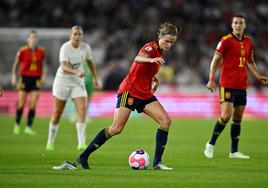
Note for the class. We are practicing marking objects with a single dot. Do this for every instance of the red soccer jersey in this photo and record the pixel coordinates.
(31, 61)
(235, 56)
(140, 76)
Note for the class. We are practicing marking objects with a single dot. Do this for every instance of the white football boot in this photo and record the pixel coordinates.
(238, 155)
(161, 166)
(66, 166)
(209, 150)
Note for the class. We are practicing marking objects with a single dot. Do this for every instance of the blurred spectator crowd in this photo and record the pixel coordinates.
(118, 28)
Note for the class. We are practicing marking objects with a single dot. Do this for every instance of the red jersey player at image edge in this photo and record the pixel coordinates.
(235, 54)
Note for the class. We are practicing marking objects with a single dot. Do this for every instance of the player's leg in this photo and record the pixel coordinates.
(121, 116)
(236, 127)
(81, 105)
(61, 93)
(226, 113)
(227, 101)
(89, 89)
(88, 117)
(156, 111)
(239, 107)
(58, 107)
(79, 96)
(22, 96)
(31, 114)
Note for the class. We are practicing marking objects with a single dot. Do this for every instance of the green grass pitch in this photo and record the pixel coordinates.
(25, 163)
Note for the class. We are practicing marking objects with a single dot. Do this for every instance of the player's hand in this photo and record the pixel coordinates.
(96, 84)
(42, 81)
(13, 79)
(263, 80)
(158, 60)
(80, 73)
(211, 85)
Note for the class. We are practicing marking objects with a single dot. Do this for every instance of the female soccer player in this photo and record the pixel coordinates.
(136, 93)
(30, 59)
(69, 82)
(235, 53)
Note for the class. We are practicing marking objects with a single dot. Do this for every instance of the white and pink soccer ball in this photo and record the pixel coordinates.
(139, 159)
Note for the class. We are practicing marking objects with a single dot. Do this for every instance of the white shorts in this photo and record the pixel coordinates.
(63, 92)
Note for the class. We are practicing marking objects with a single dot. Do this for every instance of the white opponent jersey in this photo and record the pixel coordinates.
(75, 58)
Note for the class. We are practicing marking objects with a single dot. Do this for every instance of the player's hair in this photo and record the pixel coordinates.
(77, 27)
(240, 16)
(168, 29)
(32, 32)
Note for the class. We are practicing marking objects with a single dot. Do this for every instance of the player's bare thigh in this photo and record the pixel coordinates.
(226, 110)
(34, 98)
(58, 107)
(121, 116)
(22, 98)
(157, 112)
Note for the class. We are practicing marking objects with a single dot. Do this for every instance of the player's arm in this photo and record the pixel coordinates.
(156, 84)
(44, 69)
(94, 73)
(1, 91)
(254, 70)
(217, 58)
(44, 73)
(144, 58)
(14, 72)
(66, 68)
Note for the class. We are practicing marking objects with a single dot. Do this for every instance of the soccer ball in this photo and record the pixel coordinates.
(139, 159)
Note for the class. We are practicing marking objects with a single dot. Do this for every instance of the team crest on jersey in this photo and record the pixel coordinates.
(130, 101)
(148, 48)
(219, 45)
(227, 95)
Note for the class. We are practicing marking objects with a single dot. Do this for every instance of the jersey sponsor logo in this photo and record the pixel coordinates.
(227, 95)
(148, 48)
(75, 66)
(219, 45)
(130, 101)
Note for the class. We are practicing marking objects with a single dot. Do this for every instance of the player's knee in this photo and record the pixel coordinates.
(82, 111)
(226, 117)
(56, 116)
(55, 120)
(165, 122)
(115, 129)
(236, 121)
(32, 107)
(21, 105)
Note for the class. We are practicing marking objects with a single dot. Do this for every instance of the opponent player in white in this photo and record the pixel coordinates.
(69, 82)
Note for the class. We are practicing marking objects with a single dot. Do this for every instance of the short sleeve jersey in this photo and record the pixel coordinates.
(139, 80)
(30, 61)
(235, 56)
(75, 58)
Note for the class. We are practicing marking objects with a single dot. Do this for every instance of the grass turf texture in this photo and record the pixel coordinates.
(25, 163)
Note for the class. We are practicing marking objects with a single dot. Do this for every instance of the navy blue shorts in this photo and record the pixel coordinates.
(28, 84)
(132, 103)
(236, 96)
